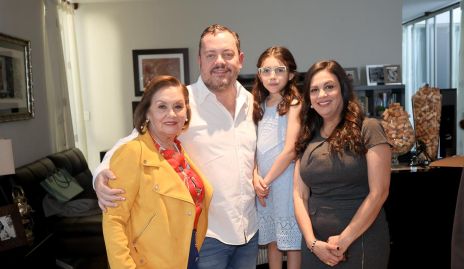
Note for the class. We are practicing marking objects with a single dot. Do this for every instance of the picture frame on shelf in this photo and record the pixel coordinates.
(11, 228)
(149, 63)
(16, 101)
(392, 74)
(375, 74)
(353, 75)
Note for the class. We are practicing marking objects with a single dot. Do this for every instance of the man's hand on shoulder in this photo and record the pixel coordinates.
(106, 195)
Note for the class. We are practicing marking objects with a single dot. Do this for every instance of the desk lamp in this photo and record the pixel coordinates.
(7, 166)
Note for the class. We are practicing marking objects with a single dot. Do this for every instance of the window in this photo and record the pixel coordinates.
(443, 50)
(455, 44)
(430, 51)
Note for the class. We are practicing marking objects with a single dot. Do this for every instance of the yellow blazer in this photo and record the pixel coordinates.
(153, 227)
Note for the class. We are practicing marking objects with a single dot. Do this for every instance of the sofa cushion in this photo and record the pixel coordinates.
(89, 225)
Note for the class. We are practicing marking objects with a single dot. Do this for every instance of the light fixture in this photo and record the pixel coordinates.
(7, 166)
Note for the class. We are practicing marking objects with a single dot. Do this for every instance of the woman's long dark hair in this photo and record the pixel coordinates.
(347, 134)
(289, 92)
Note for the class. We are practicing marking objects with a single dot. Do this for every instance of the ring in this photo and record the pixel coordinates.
(328, 263)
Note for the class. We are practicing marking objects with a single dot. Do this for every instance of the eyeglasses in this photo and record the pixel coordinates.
(267, 71)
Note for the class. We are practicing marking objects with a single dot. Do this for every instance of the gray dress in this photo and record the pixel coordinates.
(338, 187)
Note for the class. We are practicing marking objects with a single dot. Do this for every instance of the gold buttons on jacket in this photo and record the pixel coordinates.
(189, 213)
(157, 187)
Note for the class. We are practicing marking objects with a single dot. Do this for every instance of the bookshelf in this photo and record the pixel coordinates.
(375, 99)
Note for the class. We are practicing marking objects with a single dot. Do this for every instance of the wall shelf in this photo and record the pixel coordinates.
(375, 99)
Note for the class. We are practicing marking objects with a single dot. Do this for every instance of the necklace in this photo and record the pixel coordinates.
(156, 140)
(176, 159)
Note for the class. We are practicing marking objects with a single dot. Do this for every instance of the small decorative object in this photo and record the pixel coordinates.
(25, 211)
(352, 73)
(392, 74)
(398, 130)
(11, 228)
(374, 75)
(16, 101)
(154, 62)
(426, 103)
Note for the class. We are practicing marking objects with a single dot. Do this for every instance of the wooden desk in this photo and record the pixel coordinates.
(422, 200)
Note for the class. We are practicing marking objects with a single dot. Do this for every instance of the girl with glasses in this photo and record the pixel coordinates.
(277, 105)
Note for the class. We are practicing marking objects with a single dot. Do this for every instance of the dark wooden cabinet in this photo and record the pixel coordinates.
(420, 212)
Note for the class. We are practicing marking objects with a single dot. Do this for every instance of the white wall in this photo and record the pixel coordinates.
(31, 138)
(354, 32)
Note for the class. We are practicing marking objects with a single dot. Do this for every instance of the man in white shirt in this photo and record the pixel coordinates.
(221, 141)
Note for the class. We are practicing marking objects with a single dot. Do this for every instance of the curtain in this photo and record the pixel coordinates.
(60, 123)
(68, 38)
(65, 95)
(460, 91)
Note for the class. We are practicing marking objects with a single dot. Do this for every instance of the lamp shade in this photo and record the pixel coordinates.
(7, 166)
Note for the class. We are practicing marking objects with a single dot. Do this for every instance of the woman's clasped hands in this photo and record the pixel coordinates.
(329, 252)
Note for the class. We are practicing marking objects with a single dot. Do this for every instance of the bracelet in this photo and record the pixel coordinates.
(312, 245)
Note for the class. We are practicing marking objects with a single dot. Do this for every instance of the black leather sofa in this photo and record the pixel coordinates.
(77, 237)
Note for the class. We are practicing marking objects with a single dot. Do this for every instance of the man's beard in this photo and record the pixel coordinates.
(215, 83)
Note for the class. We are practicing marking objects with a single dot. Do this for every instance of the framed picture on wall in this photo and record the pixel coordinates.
(149, 63)
(352, 73)
(16, 100)
(392, 74)
(374, 75)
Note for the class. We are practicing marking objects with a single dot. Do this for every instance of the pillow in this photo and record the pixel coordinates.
(61, 185)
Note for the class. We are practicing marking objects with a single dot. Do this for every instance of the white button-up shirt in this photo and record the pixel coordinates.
(224, 150)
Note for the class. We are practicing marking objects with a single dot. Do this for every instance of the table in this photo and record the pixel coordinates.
(421, 199)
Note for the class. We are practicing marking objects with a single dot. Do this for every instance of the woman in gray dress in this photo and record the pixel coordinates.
(342, 176)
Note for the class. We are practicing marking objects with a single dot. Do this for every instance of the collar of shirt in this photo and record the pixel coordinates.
(202, 92)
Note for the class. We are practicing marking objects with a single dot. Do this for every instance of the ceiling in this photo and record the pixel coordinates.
(415, 8)
(411, 8)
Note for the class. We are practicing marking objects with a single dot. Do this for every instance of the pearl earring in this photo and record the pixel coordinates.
(144, 125)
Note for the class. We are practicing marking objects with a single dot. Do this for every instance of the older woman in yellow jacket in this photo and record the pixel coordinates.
(163, 222)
